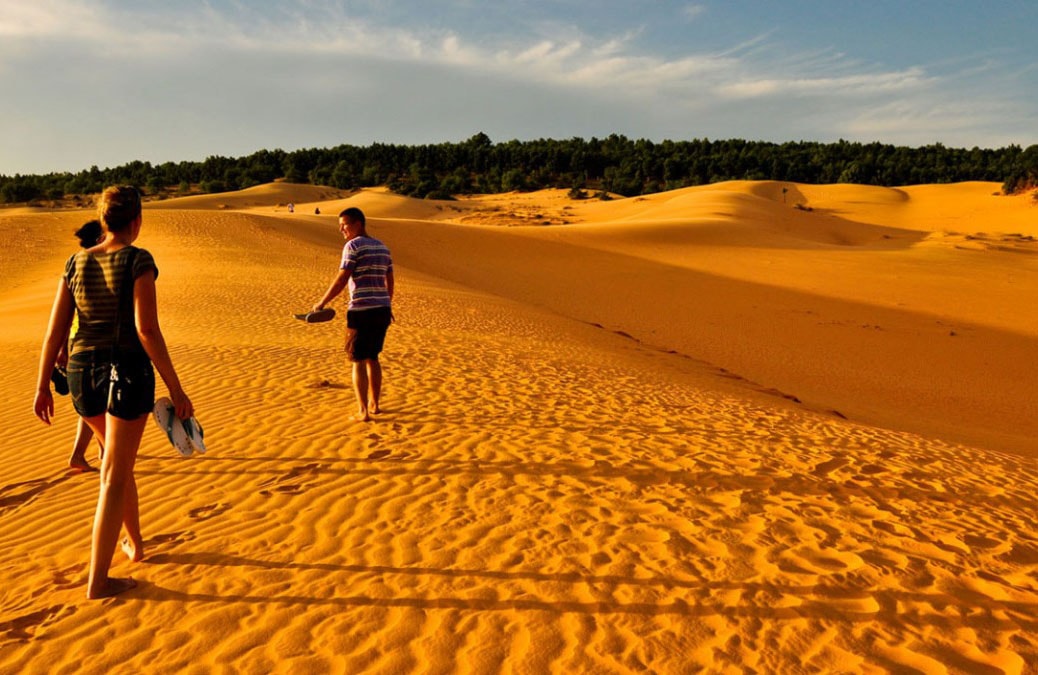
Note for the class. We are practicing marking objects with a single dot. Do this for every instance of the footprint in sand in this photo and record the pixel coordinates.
(809, 560)
(17, 494)
(325, 384)
(292, 482)
(283, 489)
(825, 468)
(170, 538)
(379, 454)
(979, 541)
(892, 528)
(208, 511)
(63, 578)
(1021, 554)
(23, 628)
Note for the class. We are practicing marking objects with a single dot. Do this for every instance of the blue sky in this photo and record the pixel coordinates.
(110, 81)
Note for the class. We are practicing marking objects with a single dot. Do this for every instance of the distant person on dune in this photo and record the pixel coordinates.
(89, 235)
(110, 287)
(367, 269)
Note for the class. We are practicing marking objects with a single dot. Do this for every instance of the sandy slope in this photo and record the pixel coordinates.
(544, 493)
(915, 329)
(276, 195)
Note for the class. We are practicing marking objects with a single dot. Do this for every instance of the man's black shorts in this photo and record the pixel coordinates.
(366, 332)
(90, 378)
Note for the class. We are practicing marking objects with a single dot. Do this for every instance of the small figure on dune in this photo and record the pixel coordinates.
(367, 269)
(110, 288)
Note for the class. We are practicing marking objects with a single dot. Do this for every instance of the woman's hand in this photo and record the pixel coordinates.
(43, 406)
(182, 404)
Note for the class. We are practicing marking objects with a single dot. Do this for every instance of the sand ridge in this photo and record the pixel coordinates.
(553, 486)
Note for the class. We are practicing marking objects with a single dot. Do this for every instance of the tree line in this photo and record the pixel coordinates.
(615, 164)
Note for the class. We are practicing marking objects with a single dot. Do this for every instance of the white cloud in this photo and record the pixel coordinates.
(546, 54)
(693, 11)
(854, 86)
(595, 64)
(210, 68)
(907, 121)
(44, 18)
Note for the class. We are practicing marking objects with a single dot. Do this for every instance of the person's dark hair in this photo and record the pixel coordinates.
(353, 213)
(118, 207)
(89, 233)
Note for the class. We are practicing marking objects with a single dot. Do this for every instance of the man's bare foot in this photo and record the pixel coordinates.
(134, 551)
(110, 587)
(79, 464)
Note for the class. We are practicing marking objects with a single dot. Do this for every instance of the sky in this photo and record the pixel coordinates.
(106, 82)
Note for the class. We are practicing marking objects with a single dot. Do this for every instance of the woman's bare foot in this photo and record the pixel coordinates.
(110, 587)
(133, 550)
(362, 416)
(79, 464)
(374, 408)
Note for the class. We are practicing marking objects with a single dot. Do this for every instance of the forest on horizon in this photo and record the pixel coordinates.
(615, 164)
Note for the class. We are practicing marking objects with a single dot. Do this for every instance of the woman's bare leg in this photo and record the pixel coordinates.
(133, 544)
(116, 502)
(78, 460)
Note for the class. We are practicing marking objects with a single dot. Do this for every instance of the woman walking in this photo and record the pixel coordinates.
(90, 234)
(111, 289)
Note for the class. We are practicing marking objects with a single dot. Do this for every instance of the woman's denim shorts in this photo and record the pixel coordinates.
(127, 392)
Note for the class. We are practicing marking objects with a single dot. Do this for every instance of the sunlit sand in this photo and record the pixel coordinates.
(784, 427)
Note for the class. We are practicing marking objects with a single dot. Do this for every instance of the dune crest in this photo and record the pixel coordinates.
(651, 438)
(277, 195)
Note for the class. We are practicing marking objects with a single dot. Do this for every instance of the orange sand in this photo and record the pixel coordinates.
(718, 428)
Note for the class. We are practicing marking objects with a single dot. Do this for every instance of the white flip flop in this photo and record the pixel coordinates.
(195, 434)
(166, 417)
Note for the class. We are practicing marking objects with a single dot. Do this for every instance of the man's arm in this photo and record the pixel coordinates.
(337, 286)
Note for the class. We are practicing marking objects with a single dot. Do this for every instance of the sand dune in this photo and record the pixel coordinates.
(590, 459)
(886, 326)
(272, 195)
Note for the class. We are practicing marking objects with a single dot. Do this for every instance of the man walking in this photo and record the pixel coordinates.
(367, 269)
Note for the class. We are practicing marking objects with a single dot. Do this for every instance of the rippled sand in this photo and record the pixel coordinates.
(723, 428)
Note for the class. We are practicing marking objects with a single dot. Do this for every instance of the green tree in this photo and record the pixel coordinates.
(211, 186)
(343, 176)
(294, 174)
(852, 174)
(513, 179)
(19, 190)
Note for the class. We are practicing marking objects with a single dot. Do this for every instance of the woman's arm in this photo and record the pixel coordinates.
(146, 318)
(57, 332)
